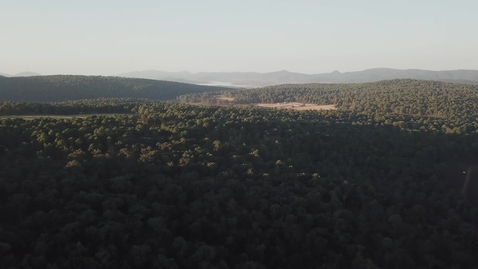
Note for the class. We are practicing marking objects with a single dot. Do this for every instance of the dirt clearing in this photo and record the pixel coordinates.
(223, 97)
(298, 106)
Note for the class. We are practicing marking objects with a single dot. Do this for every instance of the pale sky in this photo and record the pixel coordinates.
(101, 37)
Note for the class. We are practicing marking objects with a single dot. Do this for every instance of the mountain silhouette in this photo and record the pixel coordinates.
(27, 74)
(283, 77)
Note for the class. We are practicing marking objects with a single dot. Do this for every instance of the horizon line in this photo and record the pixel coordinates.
(33, 73)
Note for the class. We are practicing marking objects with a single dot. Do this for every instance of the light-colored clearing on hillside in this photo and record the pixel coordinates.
(223, 97)
(298, 106)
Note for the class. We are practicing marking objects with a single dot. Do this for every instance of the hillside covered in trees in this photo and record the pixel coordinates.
(170, 185)
(60, 88)
(405, 96)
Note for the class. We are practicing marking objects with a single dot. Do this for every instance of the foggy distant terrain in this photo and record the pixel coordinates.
(27, 74)
(255, 79)
(252, 79)
(22, 74)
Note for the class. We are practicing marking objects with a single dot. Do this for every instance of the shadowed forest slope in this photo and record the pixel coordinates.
(181, 186)
(68, 87)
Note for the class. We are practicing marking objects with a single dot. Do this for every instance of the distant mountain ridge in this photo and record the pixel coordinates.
(251, 79)
(256, 79)
(22, 74)
(27, 74)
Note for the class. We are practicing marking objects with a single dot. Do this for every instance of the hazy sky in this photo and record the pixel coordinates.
(111, 37)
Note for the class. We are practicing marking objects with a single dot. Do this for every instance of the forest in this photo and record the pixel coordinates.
(400, 96)
(377, 183)
(61, 88)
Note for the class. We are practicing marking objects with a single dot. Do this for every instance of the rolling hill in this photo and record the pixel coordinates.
(68, 87)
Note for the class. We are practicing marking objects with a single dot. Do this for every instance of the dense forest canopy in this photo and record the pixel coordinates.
(401, 96)
(59, 88)
(171, 185)
(86, 107)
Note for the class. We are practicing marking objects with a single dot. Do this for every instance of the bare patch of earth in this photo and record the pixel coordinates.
(298, 106)
(223, 97)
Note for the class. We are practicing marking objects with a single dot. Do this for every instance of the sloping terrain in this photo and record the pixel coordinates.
(68, 87)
